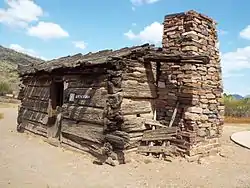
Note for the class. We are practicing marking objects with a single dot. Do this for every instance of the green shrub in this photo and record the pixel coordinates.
(5, 88)
(1, 116)
(235, 107)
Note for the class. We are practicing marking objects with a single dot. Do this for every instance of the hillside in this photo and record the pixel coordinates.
(9, 59)
(237, 96)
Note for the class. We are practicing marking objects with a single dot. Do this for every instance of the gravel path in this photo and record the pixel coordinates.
(27, 161)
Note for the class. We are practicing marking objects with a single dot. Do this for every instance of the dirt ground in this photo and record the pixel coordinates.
(27, 161)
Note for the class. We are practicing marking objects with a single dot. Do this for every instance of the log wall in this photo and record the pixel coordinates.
(139, 94)
(34, 95)
(85, 95)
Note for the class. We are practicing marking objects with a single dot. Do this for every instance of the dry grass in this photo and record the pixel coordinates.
(1, 116)
(237, 120)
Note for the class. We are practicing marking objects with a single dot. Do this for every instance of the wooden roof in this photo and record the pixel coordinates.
(82, 60)
(148, 52)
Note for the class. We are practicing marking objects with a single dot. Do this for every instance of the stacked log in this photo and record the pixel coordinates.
(85, 96)
(113, 118)
(139, 93)
(196, 84)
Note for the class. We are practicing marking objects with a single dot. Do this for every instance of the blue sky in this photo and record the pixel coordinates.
(54, 28)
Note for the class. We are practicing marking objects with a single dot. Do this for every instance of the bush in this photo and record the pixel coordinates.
(237, 109)
(5, 88)
(1, 116)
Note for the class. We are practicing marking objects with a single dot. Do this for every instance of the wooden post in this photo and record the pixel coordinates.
(163, 144)
(151, 143)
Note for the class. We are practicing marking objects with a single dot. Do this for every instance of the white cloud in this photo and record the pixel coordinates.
(27, 51)
(141, 2)
(245, 33)
(80, 44)
(134, 24)
(20, 12)
(234, 62)
(133, 8)
(150, 34)
(47, 30)
(222, 32)
(130, 35)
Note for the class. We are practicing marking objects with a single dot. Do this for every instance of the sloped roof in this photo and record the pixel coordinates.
(83, 60)
(146, 51)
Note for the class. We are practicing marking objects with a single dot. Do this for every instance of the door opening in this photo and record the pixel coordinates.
(57, 94)
(56, 102)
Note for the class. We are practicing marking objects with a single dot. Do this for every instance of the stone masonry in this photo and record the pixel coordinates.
(196, 83)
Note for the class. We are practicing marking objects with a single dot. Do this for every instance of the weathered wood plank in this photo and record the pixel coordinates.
(133, 124)
(141, 72)
(94, 71)
(137, 85)
(136, 106)
(134, 143)
(40, 93)
(94, 97)
(135, 134)
(37, 81)
(159, 134)
(34, 127)
(35, 105)
(118, 139)
(87, 81)
(146, 65)
(139, 93)
(81, 144)
(84, 130)
(80, 113)
(135, 89)
(155, 123)
(34, 116)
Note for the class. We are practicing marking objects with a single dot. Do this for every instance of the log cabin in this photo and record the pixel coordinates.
(144, 98)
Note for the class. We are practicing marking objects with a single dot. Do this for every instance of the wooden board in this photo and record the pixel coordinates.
(159, 134)
(135, 89)
(34, 116)
(133, 124)
(86, 81)
(80, 144)
(140, 71)
(155, 123)
(94, 97)
(137, 94)
(37, 81)
(34, 128)
(80, 113)
(84, 130)
(35, 105)
(40, 93)
(136, 106)
(138, 85)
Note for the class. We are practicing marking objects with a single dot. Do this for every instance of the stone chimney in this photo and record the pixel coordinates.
(193, 35)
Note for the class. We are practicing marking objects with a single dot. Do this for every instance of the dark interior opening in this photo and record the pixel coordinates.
(57, 93)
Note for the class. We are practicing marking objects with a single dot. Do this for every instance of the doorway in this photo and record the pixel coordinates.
(56, 102)
(56, 93)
